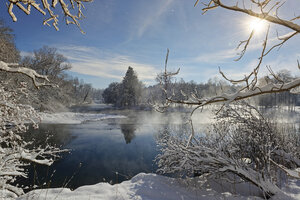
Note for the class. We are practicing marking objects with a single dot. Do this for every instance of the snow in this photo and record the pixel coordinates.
(74, 118)
(154, 187)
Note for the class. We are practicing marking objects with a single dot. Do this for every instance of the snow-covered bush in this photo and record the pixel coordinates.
(241, 142)
(15, 118)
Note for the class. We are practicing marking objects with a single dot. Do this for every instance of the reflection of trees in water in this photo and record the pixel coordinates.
(128, 131)
(54, 134)
(129, 126)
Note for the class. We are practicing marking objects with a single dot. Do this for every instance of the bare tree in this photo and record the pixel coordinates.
(48, 9)
(8, 50)
(47, 61)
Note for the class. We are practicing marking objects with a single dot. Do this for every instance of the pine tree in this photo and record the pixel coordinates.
(131, 89)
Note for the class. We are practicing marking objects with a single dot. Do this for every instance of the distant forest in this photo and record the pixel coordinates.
(132, 92)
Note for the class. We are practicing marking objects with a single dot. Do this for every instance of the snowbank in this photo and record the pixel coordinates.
(74, 118)
(156, 187)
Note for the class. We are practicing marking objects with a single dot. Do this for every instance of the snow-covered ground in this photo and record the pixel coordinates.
(155, 187)
(74, 118)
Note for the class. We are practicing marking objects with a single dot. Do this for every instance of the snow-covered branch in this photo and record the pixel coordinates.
(241, 142)
(268, 11)
(249, 85)
(265, 12)
(228, 98)
(15, 151)
(48, 8)
(26, 71)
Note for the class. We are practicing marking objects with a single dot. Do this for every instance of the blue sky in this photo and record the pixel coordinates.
(137, 33)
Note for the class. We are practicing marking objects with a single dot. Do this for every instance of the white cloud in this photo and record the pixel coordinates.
(217, 57)
(97, 62)
(153, 17)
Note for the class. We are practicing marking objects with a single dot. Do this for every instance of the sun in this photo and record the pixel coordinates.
(258, 25)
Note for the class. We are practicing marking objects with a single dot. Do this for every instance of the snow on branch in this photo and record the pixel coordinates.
(26, 71)
(48, 8)
(250, 89)
(289, 172)
(177, 158)
(241, 142)
(16, 152)
(263, 14)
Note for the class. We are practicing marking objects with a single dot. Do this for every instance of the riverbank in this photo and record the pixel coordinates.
(156, 187)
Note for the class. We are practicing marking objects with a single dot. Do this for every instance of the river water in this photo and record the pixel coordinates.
(106, 145)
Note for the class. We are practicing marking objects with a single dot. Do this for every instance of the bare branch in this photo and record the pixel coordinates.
(246, 42)
(284, 40)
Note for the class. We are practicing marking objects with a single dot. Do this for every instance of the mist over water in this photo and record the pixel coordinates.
(108, 145)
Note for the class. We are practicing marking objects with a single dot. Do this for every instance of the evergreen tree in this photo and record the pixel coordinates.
(131, 89)
(125, 94)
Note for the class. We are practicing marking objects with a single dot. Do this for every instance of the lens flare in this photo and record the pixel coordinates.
(257, 25)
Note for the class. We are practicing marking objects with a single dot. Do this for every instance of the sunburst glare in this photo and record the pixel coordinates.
(258, 25)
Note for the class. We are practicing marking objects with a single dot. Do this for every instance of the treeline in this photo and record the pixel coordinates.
(65, 90)
(127, 93)
(288, 99)
(131, 92)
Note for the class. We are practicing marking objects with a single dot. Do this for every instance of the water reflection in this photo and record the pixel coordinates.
(128, 131)
(98, 147)
(128, 127)
(99, 150)
(54, 134)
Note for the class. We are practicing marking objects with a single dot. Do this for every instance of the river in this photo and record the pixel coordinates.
(106, 145)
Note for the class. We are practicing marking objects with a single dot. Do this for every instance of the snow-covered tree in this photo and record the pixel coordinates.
(14, 121)
(16, 117)
(243, 142)
(125, 94)
(47, 61)
(131, 89)
(112, 93)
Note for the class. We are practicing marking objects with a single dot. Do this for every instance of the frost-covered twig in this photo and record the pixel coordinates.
(48, 8)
